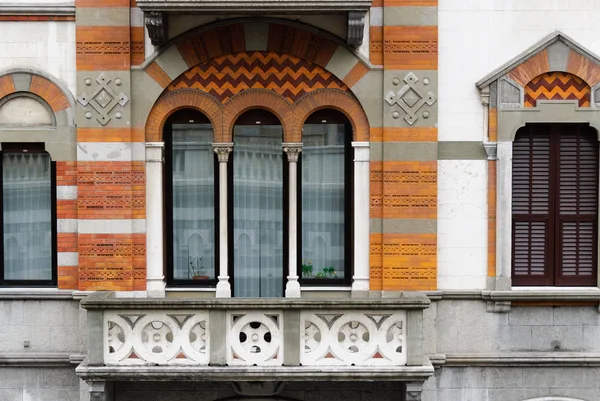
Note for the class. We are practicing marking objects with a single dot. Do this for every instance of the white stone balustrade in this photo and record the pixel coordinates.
(255, 335)
(353, 338)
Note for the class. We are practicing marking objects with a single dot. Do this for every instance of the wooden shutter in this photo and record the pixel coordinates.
(577, 206)
(555, 205)
(532, 207)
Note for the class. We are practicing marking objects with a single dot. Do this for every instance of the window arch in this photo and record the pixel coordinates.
(191, 223)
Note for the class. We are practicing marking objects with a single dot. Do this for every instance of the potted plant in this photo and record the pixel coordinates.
(307, 269)
(196, 267)
(327, 272)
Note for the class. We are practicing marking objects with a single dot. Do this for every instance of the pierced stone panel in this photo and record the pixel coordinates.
(255, 339)
(353, 338)
(155, 338)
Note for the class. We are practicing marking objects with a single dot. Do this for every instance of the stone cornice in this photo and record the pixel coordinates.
(255, 7)
(63, 9)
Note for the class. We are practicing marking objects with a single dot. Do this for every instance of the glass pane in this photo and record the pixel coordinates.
(27, 200)
(193, 202)
(258, 211)
(323, 213)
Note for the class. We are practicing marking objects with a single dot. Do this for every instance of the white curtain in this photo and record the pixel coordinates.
(258, 211)
(193, 202)
(323, 206)
(27, 212)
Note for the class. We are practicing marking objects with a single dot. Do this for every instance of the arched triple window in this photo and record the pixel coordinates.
(258, 204)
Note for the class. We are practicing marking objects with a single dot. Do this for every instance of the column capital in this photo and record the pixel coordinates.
(154, 151)
(362, 151)
(223, 149)
(292, 149)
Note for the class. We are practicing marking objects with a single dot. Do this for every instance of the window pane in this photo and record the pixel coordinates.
(27, 200)
(193, 202)
(323, 206)
(258, 211)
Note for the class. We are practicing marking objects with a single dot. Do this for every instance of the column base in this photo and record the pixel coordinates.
(292, 288)
(360, 287)
(223, 288)
(155, 287)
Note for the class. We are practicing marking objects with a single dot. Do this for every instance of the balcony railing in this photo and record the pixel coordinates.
(254, 338)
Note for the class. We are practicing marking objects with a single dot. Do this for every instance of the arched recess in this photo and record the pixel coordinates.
(48, 88)
(30, 85)
(334, 99)
(257, 99)
(179, 99)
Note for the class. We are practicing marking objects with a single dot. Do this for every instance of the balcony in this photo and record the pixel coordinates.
(241, 339)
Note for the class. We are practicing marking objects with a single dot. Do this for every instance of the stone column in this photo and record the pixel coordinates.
(360, 282)
(292, 288)
(223, 287)
(155, 284)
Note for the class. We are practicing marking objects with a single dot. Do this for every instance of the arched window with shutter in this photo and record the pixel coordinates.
(555, 205)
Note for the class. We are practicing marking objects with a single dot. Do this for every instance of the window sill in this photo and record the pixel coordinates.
(304, 288)
(545, 294)
(190, 289)
(23, 293)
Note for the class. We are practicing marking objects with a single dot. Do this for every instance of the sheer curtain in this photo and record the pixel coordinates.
(27, 213)
(258, 211)
(323, 206)
(192, 165)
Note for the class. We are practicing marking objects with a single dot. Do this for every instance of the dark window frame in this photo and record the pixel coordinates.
(183, 116)
(29, 148)
(553, 273)
(333, 117)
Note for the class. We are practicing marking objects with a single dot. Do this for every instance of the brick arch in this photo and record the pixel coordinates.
(258, 99)
(177, 100)
(557, 85)
(47, 88)
(338, 100)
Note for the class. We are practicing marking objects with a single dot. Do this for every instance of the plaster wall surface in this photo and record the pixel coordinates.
(48, 46)
(462, 224)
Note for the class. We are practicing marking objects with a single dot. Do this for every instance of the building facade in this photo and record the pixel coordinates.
(299, 200)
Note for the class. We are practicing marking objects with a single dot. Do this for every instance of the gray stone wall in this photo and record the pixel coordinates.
(512, 383)
(38, 384)
(466, 327)
(304, 391)
(39, 326)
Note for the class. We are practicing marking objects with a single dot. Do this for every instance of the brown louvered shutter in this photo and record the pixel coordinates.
(577, 205)
(532, 207)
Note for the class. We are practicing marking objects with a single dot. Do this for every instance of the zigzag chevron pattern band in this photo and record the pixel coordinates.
(557, 86)
(228, 75)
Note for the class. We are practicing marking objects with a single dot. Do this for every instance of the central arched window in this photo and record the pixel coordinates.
(258, 205)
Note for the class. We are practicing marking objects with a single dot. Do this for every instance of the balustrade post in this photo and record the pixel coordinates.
(360, 282)
(223, 287)
(292, 288)
(155, 284)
